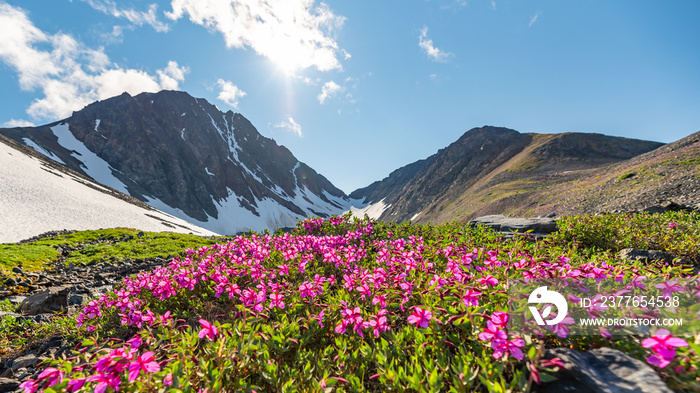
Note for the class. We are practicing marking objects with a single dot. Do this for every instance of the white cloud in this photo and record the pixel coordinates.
(17, 123)
(294, 34)
(493, 4)
(69, 74)
(289, 125)
(171, 76)
(328, 90)
(534, 18)
(138, 18)
(229, 93)
(427, 45)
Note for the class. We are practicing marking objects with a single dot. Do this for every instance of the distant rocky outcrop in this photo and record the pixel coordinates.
(541, 225)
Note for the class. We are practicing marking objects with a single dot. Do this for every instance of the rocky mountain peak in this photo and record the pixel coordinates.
(183, 155)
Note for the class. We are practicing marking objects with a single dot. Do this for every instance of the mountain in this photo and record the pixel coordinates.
(183, 156)
(38, 195)
(492, 170)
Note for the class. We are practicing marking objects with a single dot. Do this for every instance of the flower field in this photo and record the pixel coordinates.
(358, 305)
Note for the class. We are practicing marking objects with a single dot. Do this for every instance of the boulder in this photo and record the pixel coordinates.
(635, 254)
(8, 385)
(25, 362)
(602, 370)
(511, 224)
(668, 206)
(47, 301)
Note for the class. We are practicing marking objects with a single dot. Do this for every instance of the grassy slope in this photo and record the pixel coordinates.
(97, 245)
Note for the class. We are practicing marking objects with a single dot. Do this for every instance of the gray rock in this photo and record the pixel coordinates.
(101, 290)
(602, 370)
(635, 254)
(668, 206)
(7, 313)
(510, 224)
(77, 298)
(47, 301)
(17, 270)
(25, 362)
(8, 384)
(39, 318)
(16, 299)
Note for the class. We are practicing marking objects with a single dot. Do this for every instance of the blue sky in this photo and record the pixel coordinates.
(358, 88)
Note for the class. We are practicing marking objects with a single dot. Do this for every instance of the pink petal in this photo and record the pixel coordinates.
(134, 370)
(151, 367)
(676, 342)
(518, 342)
(650, 342)
(516, 352)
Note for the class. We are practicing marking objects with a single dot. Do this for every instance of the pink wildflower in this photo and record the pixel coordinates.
(208, 330)
(471, 298)
(492, 332)
(104, 381)
(276, 300)
(29, 386)
(512, 347)
(420, 317)
(667, 288)
(143, 362)
(488, 280)
(76, 384)
(663, 345)
(52, 376)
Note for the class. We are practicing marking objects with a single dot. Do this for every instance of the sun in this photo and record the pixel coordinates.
(287, 57)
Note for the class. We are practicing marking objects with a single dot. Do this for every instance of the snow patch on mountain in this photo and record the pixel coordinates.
(374, 210)
(41, 150)
(93, 165)
(35, 198)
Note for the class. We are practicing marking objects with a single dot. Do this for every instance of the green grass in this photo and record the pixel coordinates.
(692, 161)
(626, 176)
(644, 231)
(149, 246)
(109, 245)
(31, 257)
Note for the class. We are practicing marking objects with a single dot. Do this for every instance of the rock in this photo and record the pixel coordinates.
(11, 314)
(17, 270)
(634, 254)
(77, 298)
(508, 224)
(16, 299)
(8, 384)
(25, 362)
(47, 301)
(39, 318)
(668, 206)
(602, 370)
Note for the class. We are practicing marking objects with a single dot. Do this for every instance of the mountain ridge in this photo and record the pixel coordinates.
(495, 170)
(182, 155)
